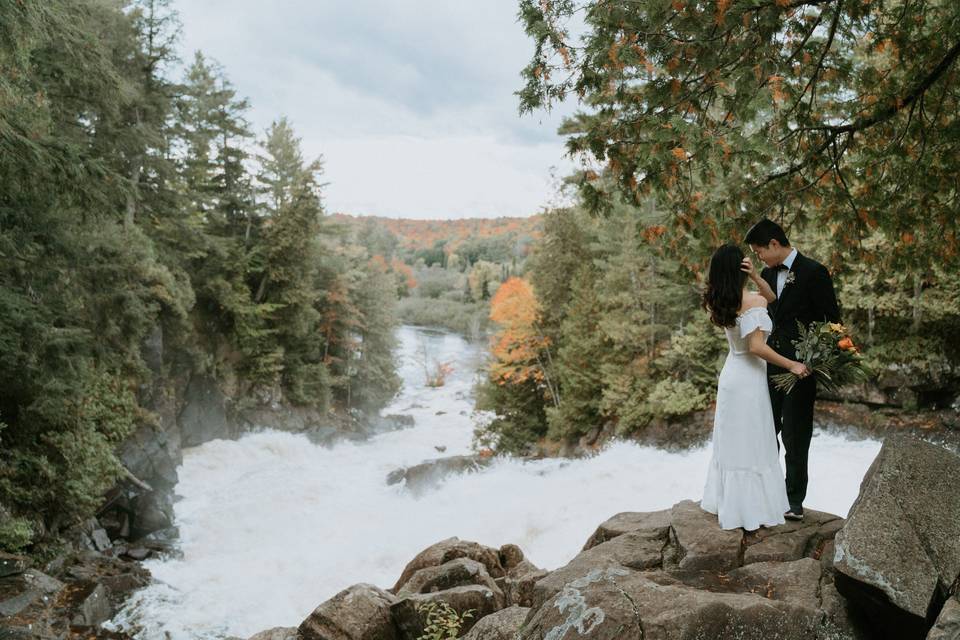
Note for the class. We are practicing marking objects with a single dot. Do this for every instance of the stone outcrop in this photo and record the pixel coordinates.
(420, 477)
(502, 625)
(77, 592)
(670, 574)
(451, 549)
(361, 612)
(479, 600)
(277, 633)
(455, 573)
(947, 625)
(898, 555)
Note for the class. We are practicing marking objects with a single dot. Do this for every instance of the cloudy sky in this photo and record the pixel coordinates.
(410, 102)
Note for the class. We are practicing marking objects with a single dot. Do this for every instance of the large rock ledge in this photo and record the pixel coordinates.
(891, 571)
(898, 556)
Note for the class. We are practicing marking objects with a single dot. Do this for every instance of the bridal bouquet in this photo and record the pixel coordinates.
(829, 352)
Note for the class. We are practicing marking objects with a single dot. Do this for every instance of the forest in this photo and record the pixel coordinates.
(138, 205)
(447, 270)
(836, 119)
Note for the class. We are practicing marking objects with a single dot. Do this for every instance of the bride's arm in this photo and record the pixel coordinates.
(757, 345)
(762, 287)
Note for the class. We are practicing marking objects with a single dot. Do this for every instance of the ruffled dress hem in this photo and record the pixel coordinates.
(747, 498)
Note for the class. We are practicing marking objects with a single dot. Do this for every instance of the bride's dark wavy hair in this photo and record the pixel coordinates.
(724, 292)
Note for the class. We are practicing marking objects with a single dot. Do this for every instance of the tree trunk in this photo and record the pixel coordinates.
(131, 210)
(262, 289)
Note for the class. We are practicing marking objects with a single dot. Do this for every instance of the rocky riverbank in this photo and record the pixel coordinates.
(891, 570)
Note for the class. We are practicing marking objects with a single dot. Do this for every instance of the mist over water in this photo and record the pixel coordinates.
(272, 525)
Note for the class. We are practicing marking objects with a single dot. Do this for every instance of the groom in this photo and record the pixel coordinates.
(802, 291)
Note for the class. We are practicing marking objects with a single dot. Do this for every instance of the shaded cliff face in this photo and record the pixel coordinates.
(186, 408)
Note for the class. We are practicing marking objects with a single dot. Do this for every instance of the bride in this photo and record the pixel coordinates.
(745, 485)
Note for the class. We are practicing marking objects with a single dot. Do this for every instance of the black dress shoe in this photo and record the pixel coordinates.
(795, 513)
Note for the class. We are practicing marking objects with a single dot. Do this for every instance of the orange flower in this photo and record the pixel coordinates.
(847, 344)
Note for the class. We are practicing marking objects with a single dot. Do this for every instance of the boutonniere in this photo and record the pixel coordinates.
(791, 278)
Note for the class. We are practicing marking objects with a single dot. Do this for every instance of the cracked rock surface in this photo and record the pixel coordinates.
(898, 555)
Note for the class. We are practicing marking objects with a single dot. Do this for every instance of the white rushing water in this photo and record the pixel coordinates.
(272, 525)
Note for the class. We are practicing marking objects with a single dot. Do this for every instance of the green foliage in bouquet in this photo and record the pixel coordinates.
(830, 353)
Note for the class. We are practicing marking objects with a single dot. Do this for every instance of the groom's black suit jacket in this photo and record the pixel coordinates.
(809, 298)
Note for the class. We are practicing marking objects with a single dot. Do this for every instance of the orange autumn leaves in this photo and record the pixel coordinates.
(518, 345)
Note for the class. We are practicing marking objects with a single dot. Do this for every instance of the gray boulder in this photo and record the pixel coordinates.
(519, 584)
(91, 603)
(697, 541)
(360, 612)
(612, 603)
(479, 600)
(451, 549)
(947, 626)
(11, 564)
(420, 477)
(502, 625)
(793, 540)
(455, 573)
(277, 633)
(898, 554)
(20, 591)
(656, 523)
(627, 552)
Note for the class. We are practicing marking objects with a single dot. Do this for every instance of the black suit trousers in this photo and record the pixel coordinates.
(793, 420)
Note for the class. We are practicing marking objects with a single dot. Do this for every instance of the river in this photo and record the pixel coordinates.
(271, 525)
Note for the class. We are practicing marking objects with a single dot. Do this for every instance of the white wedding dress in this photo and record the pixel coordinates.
(745, 485)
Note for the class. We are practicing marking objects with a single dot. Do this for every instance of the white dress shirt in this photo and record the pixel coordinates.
(782, 275)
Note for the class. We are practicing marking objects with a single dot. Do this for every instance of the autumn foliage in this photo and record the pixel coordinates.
(518, 347)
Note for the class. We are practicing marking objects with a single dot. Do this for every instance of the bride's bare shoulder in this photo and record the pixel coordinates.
(751, 300)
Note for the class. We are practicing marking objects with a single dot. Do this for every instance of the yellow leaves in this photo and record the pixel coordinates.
(679, 5)
(517, 346)
(907, 238)
(782, 3)
(679, 153)
(514, 304)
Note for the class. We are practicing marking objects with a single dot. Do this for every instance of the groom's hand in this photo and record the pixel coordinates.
(747, 267)
(800, 370)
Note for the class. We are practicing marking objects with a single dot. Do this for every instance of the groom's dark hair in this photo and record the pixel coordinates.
(764, 231)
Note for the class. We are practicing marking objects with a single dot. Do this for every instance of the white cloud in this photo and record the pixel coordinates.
(410, 102)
